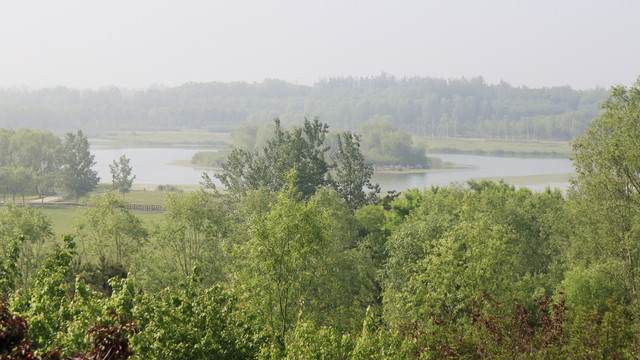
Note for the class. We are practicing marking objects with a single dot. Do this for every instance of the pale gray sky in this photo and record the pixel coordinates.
(139, 43)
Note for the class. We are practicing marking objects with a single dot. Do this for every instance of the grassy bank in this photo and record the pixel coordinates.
(532, 179)
(495, 147)
(177, 138)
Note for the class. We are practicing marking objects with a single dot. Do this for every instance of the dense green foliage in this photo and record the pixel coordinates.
(76, 173)
(302, 149)
(29, 161)
(36, 162)
(469, 271)
(423, 106)
(607, 195)
(384, 145)
(29, 229)
(112, 231)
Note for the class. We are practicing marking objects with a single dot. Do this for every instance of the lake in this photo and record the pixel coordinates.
(481, 167)
(152, 167)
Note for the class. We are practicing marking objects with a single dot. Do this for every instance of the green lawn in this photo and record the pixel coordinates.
(136, 196)
(63, 216)
(495, 147)
(146, 197)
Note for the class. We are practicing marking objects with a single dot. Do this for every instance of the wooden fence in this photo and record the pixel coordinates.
(136, 207)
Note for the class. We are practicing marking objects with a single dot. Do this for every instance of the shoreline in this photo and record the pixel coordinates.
(187, 163)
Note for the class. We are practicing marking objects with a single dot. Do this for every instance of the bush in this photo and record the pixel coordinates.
(166, 187)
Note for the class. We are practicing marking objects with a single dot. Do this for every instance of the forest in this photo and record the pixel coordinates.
(422, 106)
(300, 256)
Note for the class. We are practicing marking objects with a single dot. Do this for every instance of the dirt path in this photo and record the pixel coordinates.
(48, 199)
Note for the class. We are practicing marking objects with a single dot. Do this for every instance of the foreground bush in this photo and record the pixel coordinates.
(110, 342)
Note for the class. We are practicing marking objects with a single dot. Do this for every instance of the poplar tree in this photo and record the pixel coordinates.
(121, 175)
(76, 173)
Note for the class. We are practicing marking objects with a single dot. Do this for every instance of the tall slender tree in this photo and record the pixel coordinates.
(353, 174)
(121, 175)
(76, 173)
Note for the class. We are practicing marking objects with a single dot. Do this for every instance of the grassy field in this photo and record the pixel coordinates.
(63, 216)
(146, 197)
(185, 137)
(139, 196)
(494, 147)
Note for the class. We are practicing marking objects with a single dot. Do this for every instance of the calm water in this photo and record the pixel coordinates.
(483, 166)
(152, 166)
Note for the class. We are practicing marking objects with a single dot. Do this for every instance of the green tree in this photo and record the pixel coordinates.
(191, 233)
(61, 312)
(76, 175)
(459, 242)
(108, 229)
(352, 173)
(22, 181)
(9, 271)
(37, 151)
(187, 321)
(384, 144)
(251, 137)
(299, 262)
(47, 304)
(301, 149)
(121, 175)
(373, 237)
(5, 146)
(286, 245)
(606, 195)
(34, 229)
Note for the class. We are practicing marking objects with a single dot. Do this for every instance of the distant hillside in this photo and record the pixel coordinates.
(423, 106)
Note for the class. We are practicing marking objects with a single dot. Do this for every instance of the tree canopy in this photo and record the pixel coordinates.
(607, 194)
(302, 149)
(76, 173)
(121, 175)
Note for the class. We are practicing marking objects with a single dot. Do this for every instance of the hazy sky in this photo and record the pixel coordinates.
(139, 43)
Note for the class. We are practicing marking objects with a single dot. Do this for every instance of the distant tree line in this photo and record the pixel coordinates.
(423, 106)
